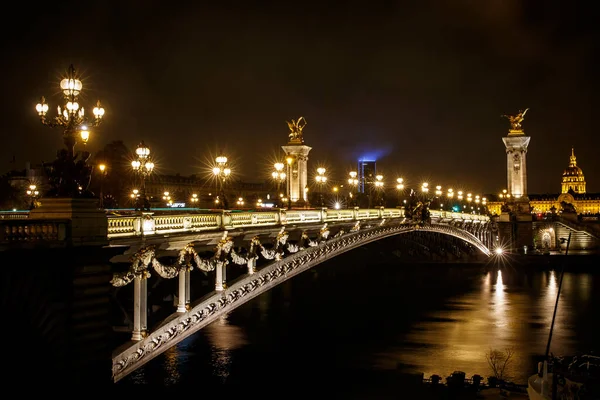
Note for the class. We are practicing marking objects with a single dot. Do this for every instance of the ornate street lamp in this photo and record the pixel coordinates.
(279, 177)
(102, 168)
(379, 187)
(143, 166)
(353, 182)
(167, 199)
(33, 193)
(194, 199)
(221, 171)
(400, 189)
(321, 179)
(70, 177)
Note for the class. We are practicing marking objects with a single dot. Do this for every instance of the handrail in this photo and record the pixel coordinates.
(16, 228)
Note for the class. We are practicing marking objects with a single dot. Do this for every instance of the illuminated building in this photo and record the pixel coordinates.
(573, 192)
(367, 170)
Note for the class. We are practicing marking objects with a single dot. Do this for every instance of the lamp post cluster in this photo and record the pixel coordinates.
(143, 166)
(221, 171)
(102, 168)
(69, 176)
(321, 179)
(353, 182)
(33, 193)
(279, 177)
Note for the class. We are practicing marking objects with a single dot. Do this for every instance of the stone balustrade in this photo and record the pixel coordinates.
(16, 228)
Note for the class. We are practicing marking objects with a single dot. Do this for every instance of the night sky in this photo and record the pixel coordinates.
(419, 86)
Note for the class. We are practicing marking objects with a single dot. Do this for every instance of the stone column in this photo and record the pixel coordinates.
(144, 306)
(297, 170)
(516, 163)
(187, 288)
(251, 266)
(220, 277)
(182, 290)
(137, 306)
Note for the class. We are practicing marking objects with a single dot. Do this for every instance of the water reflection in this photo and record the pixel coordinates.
(224, 338)
(498, 305)
(460, 335)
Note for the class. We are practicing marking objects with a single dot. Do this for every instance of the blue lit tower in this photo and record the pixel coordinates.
(367, 170)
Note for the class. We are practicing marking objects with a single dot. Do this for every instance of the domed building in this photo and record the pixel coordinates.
(572, 178)
(573, 196)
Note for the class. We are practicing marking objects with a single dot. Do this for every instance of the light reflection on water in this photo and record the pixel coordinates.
(337, 322)
(224, 339)
(497, 315)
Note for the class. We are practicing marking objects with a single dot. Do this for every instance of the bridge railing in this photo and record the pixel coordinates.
(148, 223)
(22, 231)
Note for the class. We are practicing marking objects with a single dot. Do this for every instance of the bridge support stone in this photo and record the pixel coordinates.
(181, 303)
(220, 272)
(251, 266)
(140, 310)
(187, 288)
(56, 312)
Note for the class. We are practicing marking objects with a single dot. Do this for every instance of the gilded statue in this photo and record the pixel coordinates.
(516, 120)
(296, 127)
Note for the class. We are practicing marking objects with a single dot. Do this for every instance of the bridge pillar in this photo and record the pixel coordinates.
(56, 313)
(296, 153)
(187, 288)
(182, 289)
(220, 272)
(251, 266)
(139, 308)
(516, 231)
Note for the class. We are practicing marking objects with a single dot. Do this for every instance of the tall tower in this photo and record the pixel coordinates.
(296, 156)
(515, 225)
(516, 157)
(366, 174)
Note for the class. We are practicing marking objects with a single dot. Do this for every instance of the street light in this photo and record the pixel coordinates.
(143, 166)
(321, 179)
(194, 199)
(75, 125)
(167, 199)
(221, 171)
(353, 182)
(102, 168)
(33, 193)
(379, 188)
(400, 188)
(279, 176)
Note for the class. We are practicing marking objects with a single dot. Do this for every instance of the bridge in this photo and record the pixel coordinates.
(271, 246)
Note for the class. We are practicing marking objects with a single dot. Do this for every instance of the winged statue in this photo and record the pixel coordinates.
(517, 120)
(296, 127)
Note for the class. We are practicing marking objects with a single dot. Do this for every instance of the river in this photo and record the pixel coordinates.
(360, 316)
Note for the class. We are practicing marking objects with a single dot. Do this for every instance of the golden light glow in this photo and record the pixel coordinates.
(85, 134)
(102, 167)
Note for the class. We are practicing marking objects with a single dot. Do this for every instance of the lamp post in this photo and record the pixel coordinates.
(102, 168)
(279, 176)
(143, 166)
(70, 177)
(221, 171)
(353, 182)
(33, 193)
(379, 188)
(400, 189)
(167, 199)
(194, 199)
(321, 179)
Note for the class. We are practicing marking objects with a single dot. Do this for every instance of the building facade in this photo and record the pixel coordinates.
(573, 195)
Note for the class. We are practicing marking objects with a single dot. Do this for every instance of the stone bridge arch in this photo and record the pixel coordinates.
(246, 288)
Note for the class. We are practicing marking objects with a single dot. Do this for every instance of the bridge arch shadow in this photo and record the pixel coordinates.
(247, 287)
